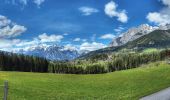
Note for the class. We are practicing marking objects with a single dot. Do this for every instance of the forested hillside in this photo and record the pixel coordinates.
(159, 39)
(101, 63)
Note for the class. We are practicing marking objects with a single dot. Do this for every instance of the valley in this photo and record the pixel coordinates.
(127, 71)
(84, 49)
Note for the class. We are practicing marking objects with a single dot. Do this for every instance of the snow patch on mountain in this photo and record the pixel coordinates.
(164, 27)
(53, 52)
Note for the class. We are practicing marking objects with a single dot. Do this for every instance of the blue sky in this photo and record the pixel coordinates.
(75, 23)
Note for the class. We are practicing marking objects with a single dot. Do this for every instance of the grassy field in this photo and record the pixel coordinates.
(122, 85)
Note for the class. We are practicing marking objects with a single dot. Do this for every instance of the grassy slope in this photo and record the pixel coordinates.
(123, 85)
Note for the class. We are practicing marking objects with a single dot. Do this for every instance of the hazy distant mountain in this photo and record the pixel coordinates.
(53, 52)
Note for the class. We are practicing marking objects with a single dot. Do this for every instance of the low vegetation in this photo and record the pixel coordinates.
(120, 85)
(150, 50)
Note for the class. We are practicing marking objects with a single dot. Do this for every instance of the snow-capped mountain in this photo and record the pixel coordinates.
(54, 52)
(132, 34)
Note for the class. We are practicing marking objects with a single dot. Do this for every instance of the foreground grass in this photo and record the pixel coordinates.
(122, 85)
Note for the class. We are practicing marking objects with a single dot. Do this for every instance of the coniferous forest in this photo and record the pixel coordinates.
(16, 62)
(101, 63)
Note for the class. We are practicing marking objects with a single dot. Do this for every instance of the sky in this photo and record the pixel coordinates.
(74, 24)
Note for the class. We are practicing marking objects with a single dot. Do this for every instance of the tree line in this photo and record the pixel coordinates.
(69, 68)
(101, 64)
(18, 62)
(96, 64)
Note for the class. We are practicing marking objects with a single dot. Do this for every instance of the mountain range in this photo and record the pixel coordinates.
(149, 37)
(136, 38)
(135, 33)
(158, 38)
(53, 52)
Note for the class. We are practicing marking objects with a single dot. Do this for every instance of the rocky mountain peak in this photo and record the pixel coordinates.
(132, 34)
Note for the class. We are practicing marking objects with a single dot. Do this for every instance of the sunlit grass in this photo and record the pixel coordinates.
(121, 85)
(150, 50)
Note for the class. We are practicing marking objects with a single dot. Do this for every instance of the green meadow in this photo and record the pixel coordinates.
(120, 85)
(150, 50)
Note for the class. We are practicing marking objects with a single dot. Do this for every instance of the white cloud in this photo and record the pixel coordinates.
(122, 17)
(4, 21)
(162, 17)
(119, 29)
(107, 36)
(65, 34)
(70, 47)
(17, 30)
(38, 2)
(5, 44)
(166, 2)
(51, 38)
(77, 39)
(8, 29)
(111, 11)
(24, 2)
(26, 43)
(88, 10)
(8, 32)
(15, 44)
(84, 40)
(91, 46)
(158, 18)
(93, 38)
